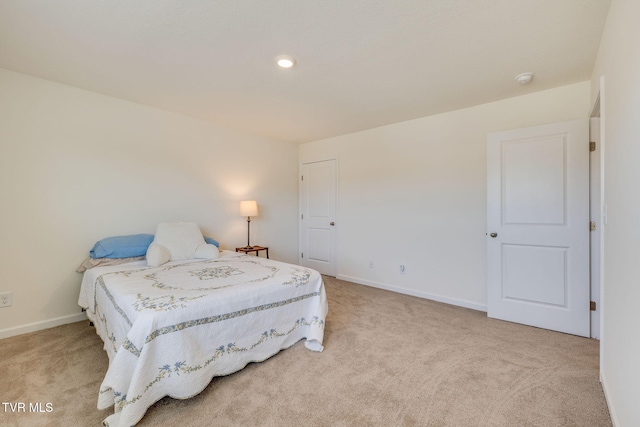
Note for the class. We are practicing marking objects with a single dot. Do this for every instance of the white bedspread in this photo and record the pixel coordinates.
(169, 330)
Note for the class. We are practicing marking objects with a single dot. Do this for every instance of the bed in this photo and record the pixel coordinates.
(168, 330)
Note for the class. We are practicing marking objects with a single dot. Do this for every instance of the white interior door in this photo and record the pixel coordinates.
(538, 226)
(318, 216)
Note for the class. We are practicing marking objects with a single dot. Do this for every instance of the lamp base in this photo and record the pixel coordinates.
(247, 247)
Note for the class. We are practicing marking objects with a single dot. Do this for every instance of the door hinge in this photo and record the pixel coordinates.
(301, 177)
(592, 305)
(592, 146)
(592, 226)
(302, 216)
(302, 255)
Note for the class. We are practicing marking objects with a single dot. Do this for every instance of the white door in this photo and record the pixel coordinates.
(538, 226)
(318, 216)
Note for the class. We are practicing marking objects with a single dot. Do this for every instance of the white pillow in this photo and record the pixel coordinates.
(180, 238)
(157, 255)
(207, 251)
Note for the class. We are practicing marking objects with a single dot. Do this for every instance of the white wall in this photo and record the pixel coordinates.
(414, 193)
(77, 166)
(619, 63)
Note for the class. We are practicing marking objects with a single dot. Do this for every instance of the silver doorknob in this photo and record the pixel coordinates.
(332, 223)
(494, 235)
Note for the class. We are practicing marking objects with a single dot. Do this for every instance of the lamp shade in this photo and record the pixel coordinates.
(248, 208)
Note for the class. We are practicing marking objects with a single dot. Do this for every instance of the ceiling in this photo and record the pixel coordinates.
(360, 63)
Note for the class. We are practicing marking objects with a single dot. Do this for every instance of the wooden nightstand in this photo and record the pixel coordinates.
(255, 249)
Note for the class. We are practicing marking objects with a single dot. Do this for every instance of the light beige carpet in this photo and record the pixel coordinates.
(389, 360)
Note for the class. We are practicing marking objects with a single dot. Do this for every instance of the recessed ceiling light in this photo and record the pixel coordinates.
(524, 78)
(285, 61)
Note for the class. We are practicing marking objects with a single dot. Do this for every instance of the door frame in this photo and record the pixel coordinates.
(595, 215)
(598, 110)
(337, 212)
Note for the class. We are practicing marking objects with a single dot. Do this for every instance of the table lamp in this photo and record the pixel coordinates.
(248, 208)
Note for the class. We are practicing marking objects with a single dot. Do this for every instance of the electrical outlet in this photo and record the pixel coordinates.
(6, 299)
(370, 264)
(403, 269)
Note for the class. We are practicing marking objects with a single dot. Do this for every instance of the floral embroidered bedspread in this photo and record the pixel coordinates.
(169, 330)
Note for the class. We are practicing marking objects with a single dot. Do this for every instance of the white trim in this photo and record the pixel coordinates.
(602, 111)
(595, 214)
(425, 295)
(607, 399)
(44, 324)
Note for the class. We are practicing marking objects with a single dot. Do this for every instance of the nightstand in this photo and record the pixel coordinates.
(255, 249)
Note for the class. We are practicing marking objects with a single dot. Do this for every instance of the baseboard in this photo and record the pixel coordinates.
(612, 411)
(426, 295)
(44, 324)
